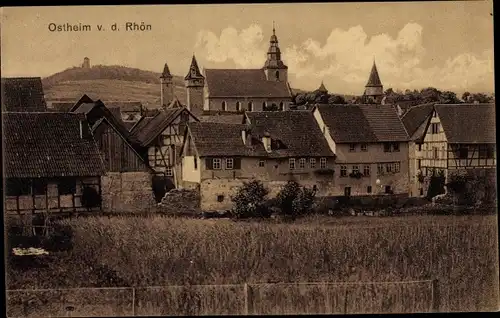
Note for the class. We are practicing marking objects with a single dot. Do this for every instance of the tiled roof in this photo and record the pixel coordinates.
(84, 99)
(22, 94)
(62, 106)
(140, 124)
(155, 126)
(194, 70)
(48, 144)
(225, 119)
(166, 71)
(296, 129)
(468, 123)
(363, 123)
(414, 118)
(217, 139)
(243, 83)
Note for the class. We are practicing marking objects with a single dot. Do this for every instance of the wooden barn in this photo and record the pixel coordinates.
(51, 163)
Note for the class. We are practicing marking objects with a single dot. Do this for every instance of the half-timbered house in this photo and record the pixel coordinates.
(51, 163)
(457, 138)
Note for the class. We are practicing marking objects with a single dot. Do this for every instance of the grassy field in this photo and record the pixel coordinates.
(157, 251)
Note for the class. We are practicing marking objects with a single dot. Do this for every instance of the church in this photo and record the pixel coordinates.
(234, 90)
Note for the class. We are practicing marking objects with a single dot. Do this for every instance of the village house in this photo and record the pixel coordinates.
(160, 138)
(371, 147)
(273, 147)
(452, 139)
(22, 94)
(51, 163)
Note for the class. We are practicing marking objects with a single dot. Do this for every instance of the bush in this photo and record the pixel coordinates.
(294, 200)
(471, 188)
(249, 200)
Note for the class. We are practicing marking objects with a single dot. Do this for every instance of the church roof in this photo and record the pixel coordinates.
(322, 88)
(374, 79)
(244, 83)
(194, 70)
(166, 71)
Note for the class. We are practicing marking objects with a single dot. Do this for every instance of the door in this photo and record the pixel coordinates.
(347, 191)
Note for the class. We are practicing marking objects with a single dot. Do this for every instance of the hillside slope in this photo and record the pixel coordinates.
(110, 83)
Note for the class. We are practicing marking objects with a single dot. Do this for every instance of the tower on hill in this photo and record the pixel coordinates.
(374, 90)
(274, 67)
(195, 83)
(322, 88)
(86, 62)
(167, 86)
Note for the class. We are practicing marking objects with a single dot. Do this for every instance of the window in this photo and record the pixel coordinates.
(15, 187)
(395, 147)
(195, 163)
(352, 147)
(463, 153)
(343, 171)
(388, 189)
(39, 186)
(66, 186)
(434, 114)
(277, 73)
(238, 106)
(217, 164)
(250, 106)
(364, 147)
(389, 167)
(397, 167)
(486, 152)
(282, 106)
(419, 147)
(419, 163)
(380, 169)
(312, 163)
(366, 170)
(435, 152)
(369, 189)
(229, 163)
(347, 191)
(355, 169)
(435, 128)
(302, 163)
(220, 198)
(261, 163)
(387, 147)
(322, 163)
(421, 191)
(291, 163)
(169, 172)
(264, 105)
(224, 106)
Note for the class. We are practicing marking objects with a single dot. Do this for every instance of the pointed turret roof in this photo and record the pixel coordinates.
(374, 79)
(194, 70)
(166, 72)
(322, 88)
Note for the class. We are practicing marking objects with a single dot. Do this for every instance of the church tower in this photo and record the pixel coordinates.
(195, 82)
(274, 67)
(167, 87)
(374, 91)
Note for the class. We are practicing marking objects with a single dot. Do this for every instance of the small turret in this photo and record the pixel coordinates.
(374, 90)
(167, 86)
(195, 82)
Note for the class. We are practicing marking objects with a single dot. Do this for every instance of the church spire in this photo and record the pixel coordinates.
(166, 72)
(374, 79)
(274, 64)
(194, 70)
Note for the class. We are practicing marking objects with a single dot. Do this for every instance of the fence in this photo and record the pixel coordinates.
(246, 299)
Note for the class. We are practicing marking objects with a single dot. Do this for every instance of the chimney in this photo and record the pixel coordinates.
(246, 136)
(266, 140)
(81, 128)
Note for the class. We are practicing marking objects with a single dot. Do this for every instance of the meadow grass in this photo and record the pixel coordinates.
(158, 251)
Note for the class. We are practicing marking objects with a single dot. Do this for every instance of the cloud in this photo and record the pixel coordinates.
(245, 48)
(345, 59)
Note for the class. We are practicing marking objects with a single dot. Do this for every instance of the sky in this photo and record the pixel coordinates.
(447, 45)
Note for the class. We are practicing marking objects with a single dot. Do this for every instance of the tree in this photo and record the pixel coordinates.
(336, 99)
(300, 99)
(448, 97)
(430, 95)
(466, 96)
(272, 108)
(294, 200)
(249, 200)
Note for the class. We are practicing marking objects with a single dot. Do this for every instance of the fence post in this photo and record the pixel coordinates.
(247, 297)
(133, 301)
(435, 296)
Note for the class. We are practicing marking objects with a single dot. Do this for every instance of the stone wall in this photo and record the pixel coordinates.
(127, 192)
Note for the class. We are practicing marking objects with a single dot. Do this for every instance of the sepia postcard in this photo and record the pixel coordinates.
(249, 159)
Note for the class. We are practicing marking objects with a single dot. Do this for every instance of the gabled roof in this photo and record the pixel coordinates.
(22, 94)
(363, 123)
(217, 139)
(415, 117)
(468, 123)
(194, 70)
(296, 129)
(374, 79)
(48, 144)
(322, 88)
(84, 99)
(244, 83)
(147, 132)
